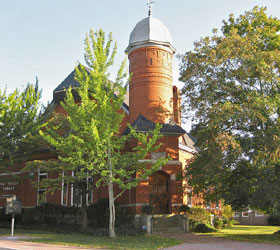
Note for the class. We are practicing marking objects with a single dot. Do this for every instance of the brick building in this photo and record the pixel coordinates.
(152, 98)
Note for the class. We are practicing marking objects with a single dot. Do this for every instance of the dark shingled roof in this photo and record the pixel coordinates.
(142, 124)
(67, 82)
(59, 93)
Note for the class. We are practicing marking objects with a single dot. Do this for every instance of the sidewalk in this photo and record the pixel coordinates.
(16, 243)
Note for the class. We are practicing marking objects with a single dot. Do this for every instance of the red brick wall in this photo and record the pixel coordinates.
(150, 90)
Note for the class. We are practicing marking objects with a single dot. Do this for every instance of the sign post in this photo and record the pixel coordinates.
(13, 225)
(13, 207)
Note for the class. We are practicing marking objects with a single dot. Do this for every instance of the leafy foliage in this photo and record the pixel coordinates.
(218, 224)
(45, 217)
(62, 219)
(19, 118)
(98, 215)
(232, 93)
(227, 212)
(198, 215)
(274, 220)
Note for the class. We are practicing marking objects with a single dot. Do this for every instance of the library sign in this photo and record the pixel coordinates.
(13, 205)
(8, 185)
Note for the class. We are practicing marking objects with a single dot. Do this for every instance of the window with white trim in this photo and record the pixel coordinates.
(64, 191)
(245, 214)
(75, 194)
(76, 197)
(259, 214)
(90, 193)
(42, 191)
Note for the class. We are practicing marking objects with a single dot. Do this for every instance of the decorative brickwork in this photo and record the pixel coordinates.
(150, 90)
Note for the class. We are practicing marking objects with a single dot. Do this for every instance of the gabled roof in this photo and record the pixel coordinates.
(59, 93)
(142, 124)
(68, 81)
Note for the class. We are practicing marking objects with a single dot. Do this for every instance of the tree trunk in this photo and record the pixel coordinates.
(84, 210)
(112, 211)
(111, 199)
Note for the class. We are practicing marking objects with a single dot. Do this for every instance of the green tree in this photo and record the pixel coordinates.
(88, 140)
(227, 212)
(20, 119)
(232, 93)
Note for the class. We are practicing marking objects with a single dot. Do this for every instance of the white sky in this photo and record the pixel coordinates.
(44, 38)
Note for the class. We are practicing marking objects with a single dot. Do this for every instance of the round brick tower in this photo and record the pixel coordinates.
(150, 54)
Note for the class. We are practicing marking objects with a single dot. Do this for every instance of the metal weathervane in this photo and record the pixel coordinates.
(150, 4)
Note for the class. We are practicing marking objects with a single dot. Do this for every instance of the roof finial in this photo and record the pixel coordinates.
(150, 4)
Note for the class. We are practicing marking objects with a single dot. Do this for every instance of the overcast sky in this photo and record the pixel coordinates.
(44, 38)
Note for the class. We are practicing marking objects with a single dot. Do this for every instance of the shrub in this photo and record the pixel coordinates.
(229, 222)
(274, 220)
(5, 220)
(4, 217)
(197, 216)
(218, 223)
(204, 228)
(227, 212)
(63, 219)
(49, 215)
(98, 215)
(235, 222)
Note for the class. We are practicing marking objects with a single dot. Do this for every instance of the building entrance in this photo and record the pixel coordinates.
(159, 196)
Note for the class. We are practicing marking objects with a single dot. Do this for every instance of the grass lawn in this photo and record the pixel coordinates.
(138, 242)
(259, 234)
